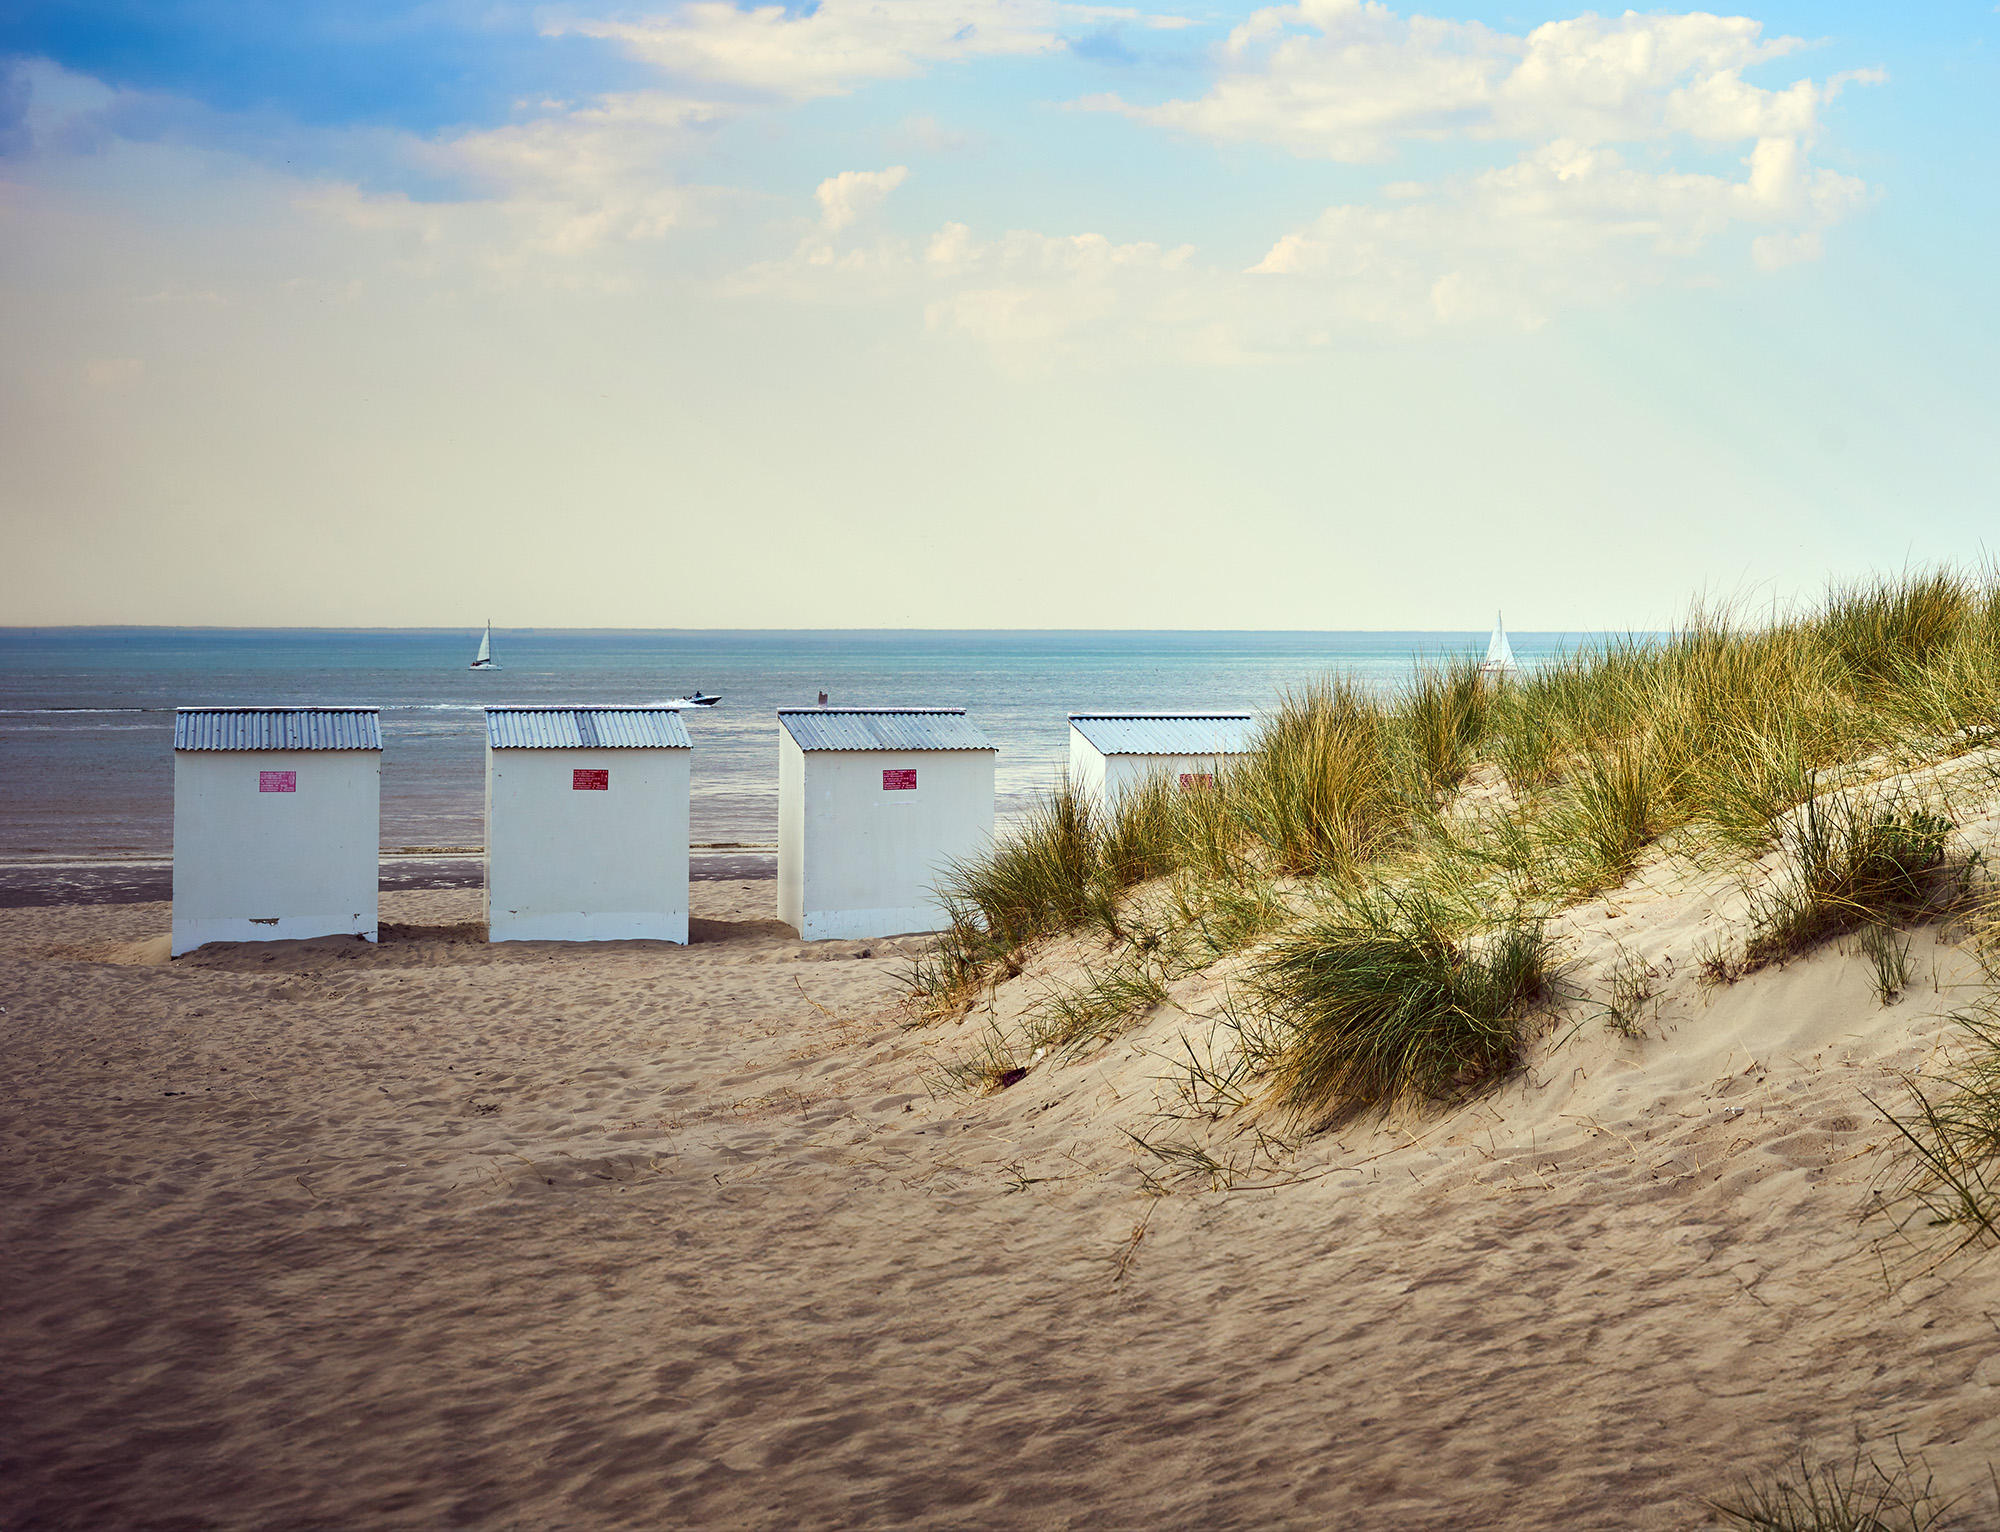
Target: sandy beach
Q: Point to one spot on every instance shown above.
(1408, 595)
(438, 1233)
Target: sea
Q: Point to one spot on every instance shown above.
(86, 714)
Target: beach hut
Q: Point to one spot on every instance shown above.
(873, 805)
(586, 824)
(1110, 752)
(277, 812)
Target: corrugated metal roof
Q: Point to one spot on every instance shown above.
(882, 728)
(1167, 733)
(586, 728)
(277, 728)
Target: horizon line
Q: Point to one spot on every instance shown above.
(218, 627)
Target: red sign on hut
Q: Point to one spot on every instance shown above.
(277, 781)
(590, 779)
(899, 779)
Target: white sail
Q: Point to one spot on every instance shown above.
(484, 659)
(1499, 653)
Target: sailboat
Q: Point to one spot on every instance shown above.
(484, 659)
(1499, 653)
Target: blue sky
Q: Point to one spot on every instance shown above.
(986, 312)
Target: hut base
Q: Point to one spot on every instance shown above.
(190, 934)
(640, 926)
(853, 925)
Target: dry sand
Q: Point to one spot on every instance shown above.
(442, 1234)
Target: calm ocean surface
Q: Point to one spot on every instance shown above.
(86, 715)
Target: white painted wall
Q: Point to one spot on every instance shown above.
(1086, 767)
(1105, 777)
(564, 865)
(792, 831)
(855, 860)
(254, 866)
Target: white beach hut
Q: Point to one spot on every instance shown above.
(1110, 752)
(277, 812)
(873, 804)
(586, 824)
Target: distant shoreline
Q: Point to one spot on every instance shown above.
(33, 884)
(25, 859)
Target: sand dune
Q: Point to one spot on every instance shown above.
(444, 1234)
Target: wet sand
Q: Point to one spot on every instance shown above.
(32, 885)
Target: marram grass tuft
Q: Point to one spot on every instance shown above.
(1375, 1002)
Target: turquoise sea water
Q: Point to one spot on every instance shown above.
(86, 714)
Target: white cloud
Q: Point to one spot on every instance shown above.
(1026, 296)
(555, 198)
(566, 180)
(1574, 217)
(1349, 79)
(1027, 292)
(1566, 225)
(1586, 118)
(575, 178)
(848, 196)
(841, 44)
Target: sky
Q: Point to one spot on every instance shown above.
(987, 313)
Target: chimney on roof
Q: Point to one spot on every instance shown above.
(822, 699)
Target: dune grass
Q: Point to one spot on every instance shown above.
(1718, 739)
(1380, 1003)
(1633, 1000)
(1618, 802)
(1040, 880)
(1948, 1176)
(1072, 1017)
(1442, 719)
(1864, 1495)
(991, 1064)
(1141, 836)
(943, 976)
(1850, 863)
(1318, 797)
(1888, 955)
(1217, 918)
